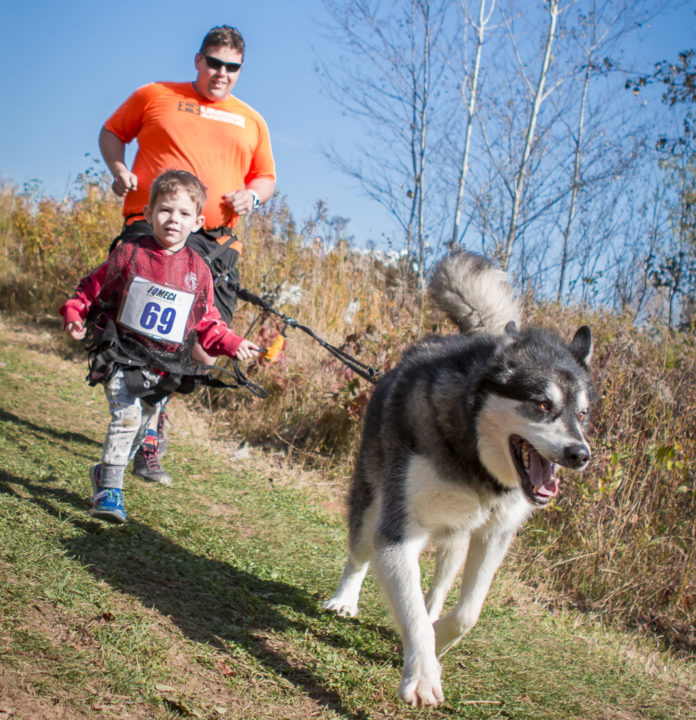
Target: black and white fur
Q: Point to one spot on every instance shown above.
(460, 444)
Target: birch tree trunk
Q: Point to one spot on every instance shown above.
(484, 17)
(575, 184)
(538, 99)
(419, 133)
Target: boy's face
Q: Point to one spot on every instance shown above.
(173, 219)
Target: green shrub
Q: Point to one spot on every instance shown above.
(620, 541)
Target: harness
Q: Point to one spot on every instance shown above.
(152, 374)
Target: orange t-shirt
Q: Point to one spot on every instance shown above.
(225, 144)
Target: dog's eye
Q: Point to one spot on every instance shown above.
(582, 415)
(544, 406)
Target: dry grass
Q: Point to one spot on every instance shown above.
(622, 540)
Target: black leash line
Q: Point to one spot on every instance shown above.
(365, 371)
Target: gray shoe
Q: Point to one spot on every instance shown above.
(146, 465)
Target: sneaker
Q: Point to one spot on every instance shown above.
(146, 462)
(107, 503)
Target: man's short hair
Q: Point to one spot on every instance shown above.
(171, 182)
(223, 35)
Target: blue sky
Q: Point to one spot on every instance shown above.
(67, 66)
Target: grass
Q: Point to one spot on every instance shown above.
(620, 541)
(206, 603)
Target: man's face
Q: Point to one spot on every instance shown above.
(216, 82)
(173, 219)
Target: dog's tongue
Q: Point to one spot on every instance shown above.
(541, 475)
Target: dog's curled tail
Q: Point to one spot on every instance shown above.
(473, 293)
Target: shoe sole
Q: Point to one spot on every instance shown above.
(109, 515)
(166, 482)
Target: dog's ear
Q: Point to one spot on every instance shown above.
(581, 346)
(511, 329)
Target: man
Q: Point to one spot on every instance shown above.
(199, 127)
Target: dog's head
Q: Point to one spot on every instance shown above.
(534, 408)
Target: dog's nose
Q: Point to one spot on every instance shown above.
(576, 456)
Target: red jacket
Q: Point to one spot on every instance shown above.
(163, 300)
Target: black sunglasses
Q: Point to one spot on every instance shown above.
(214, 64)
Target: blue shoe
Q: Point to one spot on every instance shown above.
(107, 503)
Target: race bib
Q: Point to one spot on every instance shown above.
(155, 310)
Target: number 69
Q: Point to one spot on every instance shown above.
(151, 317)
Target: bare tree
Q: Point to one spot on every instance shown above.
(538, 96)
(500, 125)
(469, 93)
(390, 91)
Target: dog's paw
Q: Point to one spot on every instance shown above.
(341, 607)
(450, 629)
(424, 687)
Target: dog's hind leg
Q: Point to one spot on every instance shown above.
(486, 552)
(345, 599)
(449, 559)
(398, 570)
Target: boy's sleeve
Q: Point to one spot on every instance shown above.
(214, 335)
(77, 307)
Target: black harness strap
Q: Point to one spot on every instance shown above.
(104, 358)
(107, 351)
(219, 249)
(365, 371)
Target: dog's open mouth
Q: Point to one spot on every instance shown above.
(536, 472)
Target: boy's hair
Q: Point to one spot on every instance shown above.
(172, 182)
(223, 35)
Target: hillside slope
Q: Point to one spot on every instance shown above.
(206, 603)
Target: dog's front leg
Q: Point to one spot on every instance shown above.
(398, 570)
(449, 560)
(486, 552)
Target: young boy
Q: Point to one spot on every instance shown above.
(148, 304)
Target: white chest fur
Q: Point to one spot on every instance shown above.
(439, 506)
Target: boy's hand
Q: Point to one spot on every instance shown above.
(246, 350)
(76, 330)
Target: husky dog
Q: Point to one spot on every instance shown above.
(460, 443)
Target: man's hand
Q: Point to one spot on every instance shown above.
(246, 350)
(124, 182)
(113, 150)
(76, 330)
(241, 201)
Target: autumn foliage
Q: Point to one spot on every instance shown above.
(620, 541)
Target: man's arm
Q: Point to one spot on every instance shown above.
(242, 201)
(113, 150)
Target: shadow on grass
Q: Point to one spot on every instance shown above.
(50, 434)
(212, 602)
